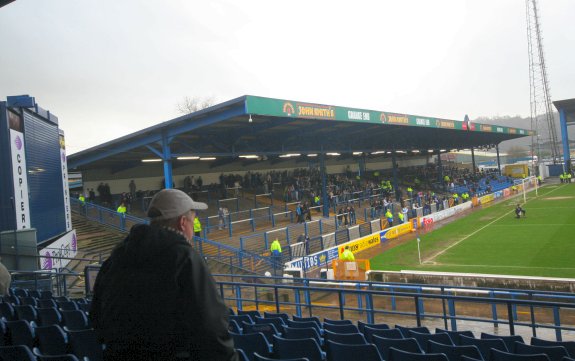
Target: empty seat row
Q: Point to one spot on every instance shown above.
(51, 340)
(72, 319)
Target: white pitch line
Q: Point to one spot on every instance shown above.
(533, 225)
(504, 266)
(480, 229)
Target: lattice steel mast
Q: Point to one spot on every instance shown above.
(540, 97)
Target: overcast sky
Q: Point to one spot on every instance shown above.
(108, 68)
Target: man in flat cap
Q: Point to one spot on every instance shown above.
(154, 298)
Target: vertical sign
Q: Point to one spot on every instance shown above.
(20, 175)
(65, 184)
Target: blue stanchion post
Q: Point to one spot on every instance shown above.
(297, 301)
(557, 323)
(359, 299)
(421, 308)
(494, 310)
(369, 307)
(451, 307)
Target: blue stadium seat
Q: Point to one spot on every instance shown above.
(555, 353)
(49, 316)
(20, 332)
(404, 344)
(242, 355)
(19, 292)
(369, 332)
(251, 313)
(241, 318)
(307, 319)
(250, 343)
(405, 330)
(498, 355)
(337, 322)
(267, 329)
(45, 295)
(67, 305)
(276, 321)
(345, 338)
(258, 357)
(293, 349)
(454, 353)
(52, 340)
(231, 311)
(16, 353)
(349, 328)
(85, 306)
(66, 357)
(569, 345)
(7, 311)
(400, 355)
(455, 335)
(340, 352)
(26, 312)
(3, 332)
(361, 325)
(422, 338)
(283, 316)
(28, 301)
(34, 293)
(234, 327)
(84, 343)
(467, 358)
(293, 333)
(509, 340)
(46, 303)
(305, 324)
(484, 345)
(74, 320)
(14, 300)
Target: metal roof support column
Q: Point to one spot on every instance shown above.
(498, 160)
(439, 168)
(565, 140)
(323, 175)
(395, 182)
(167, 158)
(361, 165)
(473, 159)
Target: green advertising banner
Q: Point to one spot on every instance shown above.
(288, 108)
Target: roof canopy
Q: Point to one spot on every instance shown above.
(568, 105)
(252, 125)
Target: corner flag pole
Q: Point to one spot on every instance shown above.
(418, 250)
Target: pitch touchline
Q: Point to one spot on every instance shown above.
(503, 266)
(480, 229)
(533, 225)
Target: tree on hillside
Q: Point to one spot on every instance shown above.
(193, 104)
(517, 152)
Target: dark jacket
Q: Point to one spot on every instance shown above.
(154, 298)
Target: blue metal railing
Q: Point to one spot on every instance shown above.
(241, 258)
(300, 296)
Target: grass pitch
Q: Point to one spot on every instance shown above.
(491, 240)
